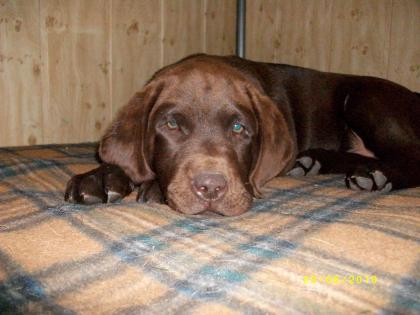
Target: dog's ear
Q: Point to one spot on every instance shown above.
(275, 148)
(125, 142)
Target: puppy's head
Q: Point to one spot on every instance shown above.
(206, 133)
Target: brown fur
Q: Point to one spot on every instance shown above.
(333, 119)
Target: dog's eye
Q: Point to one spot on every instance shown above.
(237, 128)
(172, 124)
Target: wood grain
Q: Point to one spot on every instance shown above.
(136, 46)
(76, 76)
(263, 36)
(305, 38)
(66, 66)
(360, 36)
(184, 27)
(404, 46)
(220, 28)
(20, 79)
(290, 31)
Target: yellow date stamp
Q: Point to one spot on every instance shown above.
(341, 279)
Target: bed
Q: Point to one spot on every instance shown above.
(310, 247)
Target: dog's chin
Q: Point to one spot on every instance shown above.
(202, 207)
(232, 213)
(193, 208)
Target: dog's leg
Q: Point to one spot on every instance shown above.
(149, 192)
(394, 171)
(385, 118)
(321, 161)
(107, 183)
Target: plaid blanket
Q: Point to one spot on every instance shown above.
(311, 247)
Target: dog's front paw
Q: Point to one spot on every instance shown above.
(149, 192)
(368, 180)
(104, 184)
(304, 166)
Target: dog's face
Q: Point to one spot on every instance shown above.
(205, 133)
(204, 142)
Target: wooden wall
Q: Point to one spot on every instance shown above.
(369, 37)
(66, 66)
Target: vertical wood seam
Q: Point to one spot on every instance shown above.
(388, 70)
(111, 61)
(330, 52)
(330, 17)
(204, 41)
(278, 27)
(45, 74)
(41, 88)
(162, 33)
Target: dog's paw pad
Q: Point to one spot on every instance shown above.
(305, 165)
(371, 181)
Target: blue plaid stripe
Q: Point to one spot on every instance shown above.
(236, 254)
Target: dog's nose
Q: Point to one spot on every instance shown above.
(209, 186)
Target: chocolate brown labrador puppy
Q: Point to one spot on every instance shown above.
(208, 132)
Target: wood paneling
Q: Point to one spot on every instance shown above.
(289, 31)
(304, 33)
(404, 47)
(136, 46)
(184, 27)
(366, 37)
(76, 72)
(360, 36)
(263, 33)
(220, 27)
(66, 66)
(20, 79)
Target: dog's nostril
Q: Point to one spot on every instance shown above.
(209, 186)
(202, 188)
